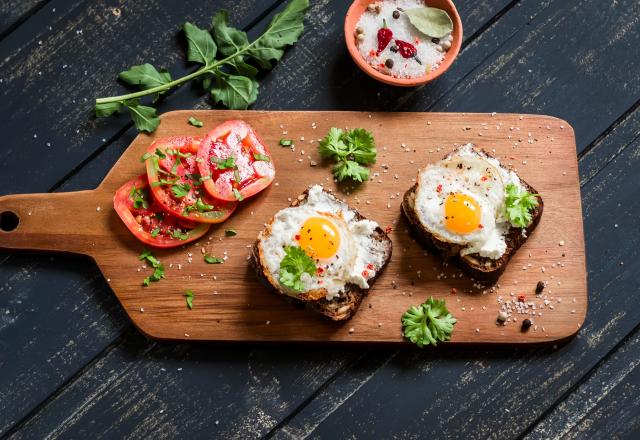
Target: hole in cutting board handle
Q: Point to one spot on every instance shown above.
(9, 221)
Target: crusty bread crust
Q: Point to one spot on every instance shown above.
(482, 269)
(337, 309)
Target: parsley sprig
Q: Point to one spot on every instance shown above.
(224, 54)
(350, 149)
(293, 265)
(519, 205)
(428, 323)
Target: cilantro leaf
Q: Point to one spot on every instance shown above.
(201, 47)
(519, 205)
(261, 157)
(179, 234)
(139, 197)
(230, 232)
(213, 260)
(180, 190)
(428, 323)
(199, 206)
(158, 269)
(295, 263)
(189, 297)
(195, 122)
(350, 169)
(223, 164)
(350, 150)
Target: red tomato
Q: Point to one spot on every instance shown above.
(148, 221)
(238, 162)
(176, 184)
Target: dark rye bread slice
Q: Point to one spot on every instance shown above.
(337, 309)
(484, 270)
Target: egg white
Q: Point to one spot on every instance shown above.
(358, 251)
(470, 172)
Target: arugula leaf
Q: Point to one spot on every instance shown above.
(230, 40)
(195, 122)
(143, 116)
(284, 29)
(230, 232)
(189, 296)
(146, 76)
(229, 78)
(234, 91)
(180, 190)
(428, 323)
(295, 263)
(213, 260)
(261, 157)
(107, 109)
(519, 205)
(350, 150)
(201, 47)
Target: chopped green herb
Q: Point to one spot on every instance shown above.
(139, 197)
(180, 190)
(199, 206)
(519, 205)
(428, 323)
(195, 122)
(286, 142)
(213, 260)
(350, 149)
(236, 175)
(158, 269)
(224, 164)
(160, 154)
(262, 157)
(295, 263)
(145, 156)
(189, 296)
(230, 232)
(239, 197)
(155, 232)
(179, 234)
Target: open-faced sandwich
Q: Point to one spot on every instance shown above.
(322, 253)
(470, 208)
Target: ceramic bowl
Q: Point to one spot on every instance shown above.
(351, 20)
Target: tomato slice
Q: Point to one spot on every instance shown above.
(239, 164)
(148, 222)
(177, 185)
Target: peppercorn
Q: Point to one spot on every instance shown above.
(539, 287)
(396, 14)
(435, 40)
(394, 49)
(389, 63)
(526, 324)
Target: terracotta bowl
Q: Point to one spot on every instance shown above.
(351, 20)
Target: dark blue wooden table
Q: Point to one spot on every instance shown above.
(72, 365)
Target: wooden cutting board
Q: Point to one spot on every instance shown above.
(231, 304)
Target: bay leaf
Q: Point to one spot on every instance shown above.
(433, 22)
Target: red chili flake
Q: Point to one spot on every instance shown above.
(320, 281)
(365, 273)
(521, 298)
(372, 53)
(453, 291)
(484, 178)
(297, 237)
(381, 65)
(319, 270)
(370, 266)
(480, 226)
(388, 229)
(407, 50)
(439, 188)
(384, 37)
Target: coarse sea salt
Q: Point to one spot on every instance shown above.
(427, 51)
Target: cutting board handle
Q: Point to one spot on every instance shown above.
(50, 222)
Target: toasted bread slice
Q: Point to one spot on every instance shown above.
(484, 270)
(340, 308)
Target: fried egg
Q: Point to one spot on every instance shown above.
(461, 200)
(327, 230)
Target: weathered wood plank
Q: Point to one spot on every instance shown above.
(605, 406)
(497, 394)
(14, 12)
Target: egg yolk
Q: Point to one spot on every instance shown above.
(319, 237)
(462, 213)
